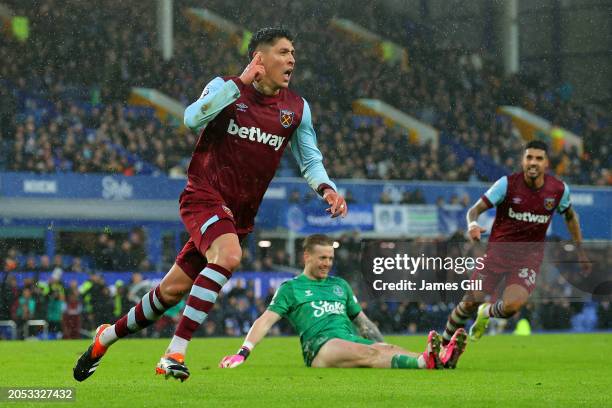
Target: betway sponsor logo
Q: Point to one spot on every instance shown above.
(528, 217)
(322, 307)
(255, 135)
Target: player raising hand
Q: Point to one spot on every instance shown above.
(245, 123)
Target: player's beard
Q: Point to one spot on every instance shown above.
(533, 173)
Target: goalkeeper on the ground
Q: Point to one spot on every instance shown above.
(324, 313)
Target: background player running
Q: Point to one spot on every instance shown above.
(320, 308)
(245, 124)
(526, 202)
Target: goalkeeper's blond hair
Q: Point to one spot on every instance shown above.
(316, 239)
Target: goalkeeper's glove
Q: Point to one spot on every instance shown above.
(235, 360)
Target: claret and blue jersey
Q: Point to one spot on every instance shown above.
(243, 135)
(524, 214)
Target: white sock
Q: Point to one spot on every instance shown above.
(421, 361)
(108, 336)
(487, 309)
(177, 345)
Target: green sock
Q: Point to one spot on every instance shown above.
(403, 361)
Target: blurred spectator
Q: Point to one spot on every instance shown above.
(44, 264)
(26, 307)
(77, 265)
(385, 198)
(71, 319)
(9, 294)
(58, 262)
(30, 264)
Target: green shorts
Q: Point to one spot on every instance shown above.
(312, 345)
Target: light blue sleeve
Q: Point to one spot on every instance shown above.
(566, 201)
(497, 192)
(308, 156)
(216, 96)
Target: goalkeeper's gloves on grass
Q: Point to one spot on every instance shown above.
(235, 360)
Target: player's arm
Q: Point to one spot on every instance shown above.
(573, 225)
(218, 94)
(474, 229)
(258, 331)
(367, 328)
(572, 221)
(491, 198)
(310, 160)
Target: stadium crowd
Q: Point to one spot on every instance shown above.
(454, 89)
(63, 109)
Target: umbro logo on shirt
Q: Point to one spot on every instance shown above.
(242, 107)
(308, 292)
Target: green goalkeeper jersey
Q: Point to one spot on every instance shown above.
(317, 306)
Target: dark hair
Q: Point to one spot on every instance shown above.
(267, 35)
(316, 239)
(537, 144)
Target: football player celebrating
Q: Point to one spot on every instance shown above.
(525, 202)
(245, 124)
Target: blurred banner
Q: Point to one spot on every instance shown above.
(447, 203)
(312, 219)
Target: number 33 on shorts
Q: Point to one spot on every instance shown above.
(528, 274)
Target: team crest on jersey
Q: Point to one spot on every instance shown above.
(338, 291)
(227, 211)
(549, 203)
(286, 117)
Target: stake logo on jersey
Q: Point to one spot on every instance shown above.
(323, 307)
(286, 117)
(255, 134)
(527, 216)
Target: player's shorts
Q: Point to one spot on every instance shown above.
(495, 279)
(311, 346)
(205, 221)
(510, 263)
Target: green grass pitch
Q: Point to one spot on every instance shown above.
(541, 370)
